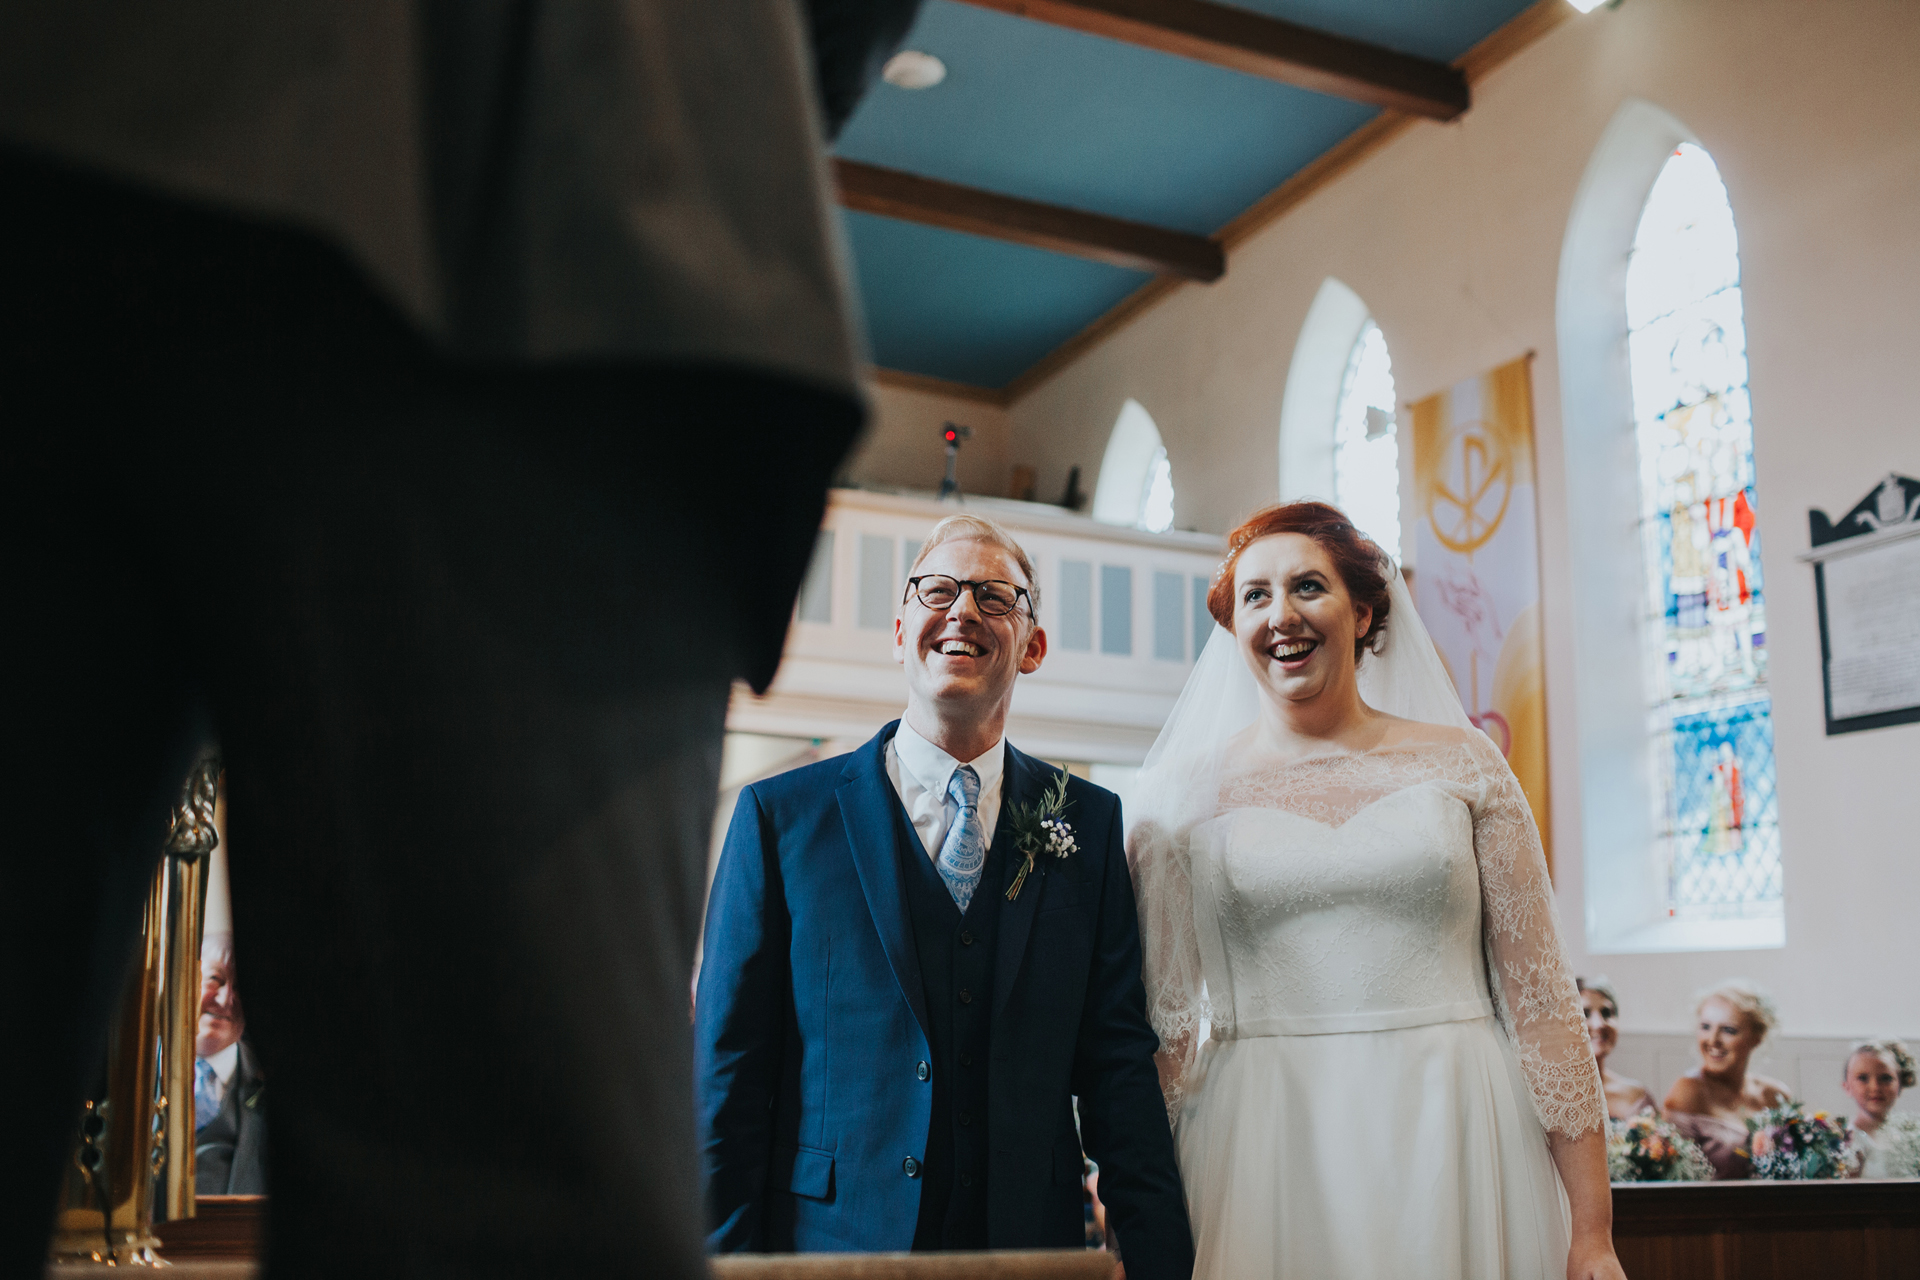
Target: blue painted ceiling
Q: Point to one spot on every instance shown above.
(1048, 114)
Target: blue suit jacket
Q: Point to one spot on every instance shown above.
(811, 1021)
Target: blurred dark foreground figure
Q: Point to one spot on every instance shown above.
(438, 398)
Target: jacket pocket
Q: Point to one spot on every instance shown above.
(805, 1171)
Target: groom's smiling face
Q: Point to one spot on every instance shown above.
(959, 660)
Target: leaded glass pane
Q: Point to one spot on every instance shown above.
(1726, 829)
(1366, 455)
(1706, 602)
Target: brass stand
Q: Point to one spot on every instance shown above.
(134, 1150)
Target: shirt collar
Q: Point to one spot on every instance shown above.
(933, 768)
(224, 1061)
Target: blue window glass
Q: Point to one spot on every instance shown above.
(1116, 609)
(1076, 605)
(1169, 617)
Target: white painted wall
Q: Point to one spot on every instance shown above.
(1453, 236)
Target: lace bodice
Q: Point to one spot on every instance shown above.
(1393, 888)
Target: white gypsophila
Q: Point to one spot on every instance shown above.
(1060, 841)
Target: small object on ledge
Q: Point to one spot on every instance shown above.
(1021, 488)
(1074, 498)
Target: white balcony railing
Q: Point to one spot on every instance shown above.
(1124, 611)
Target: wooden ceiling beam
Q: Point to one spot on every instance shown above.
(1258, 45)
(912, 198)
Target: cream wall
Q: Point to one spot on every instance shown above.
(902, 448)
(1452, 235)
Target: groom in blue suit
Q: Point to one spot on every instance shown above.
(892, 1022)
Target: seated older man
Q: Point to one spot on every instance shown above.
(229, 1091)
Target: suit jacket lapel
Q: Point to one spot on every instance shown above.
(1025, 781)
(875, 825)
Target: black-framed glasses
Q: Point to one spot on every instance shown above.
(993, 597)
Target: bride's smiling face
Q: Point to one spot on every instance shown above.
(1293, 618)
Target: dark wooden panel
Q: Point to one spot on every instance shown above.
(912, 198)
(222, 1227)
(1768, 1230)
(1243, 40)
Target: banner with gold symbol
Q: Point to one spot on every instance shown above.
(1477, 552)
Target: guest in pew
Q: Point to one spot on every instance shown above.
(229, 1089)
(1625, 1098)
(1711, 1103)
(1885, 1146)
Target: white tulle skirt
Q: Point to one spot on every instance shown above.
(1406, 1153)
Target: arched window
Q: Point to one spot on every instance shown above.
(1705, 638)
(1366, 454)
(1136, 483)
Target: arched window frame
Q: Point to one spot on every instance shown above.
(1316, 401)
(1135, 487)
(1626, 886)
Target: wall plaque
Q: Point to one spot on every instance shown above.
(1866, 573)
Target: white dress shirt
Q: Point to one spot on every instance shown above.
(920, 772)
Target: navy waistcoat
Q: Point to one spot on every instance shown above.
(956, 967)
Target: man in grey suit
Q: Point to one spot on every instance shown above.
(229, 1094)
(435, 399)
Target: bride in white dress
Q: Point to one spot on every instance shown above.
(1372, 1047)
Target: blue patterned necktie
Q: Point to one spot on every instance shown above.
(206, 1103)
(963, 855)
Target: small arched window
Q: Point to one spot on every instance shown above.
(1136, 482)
(1366, 452)
(1705, 638)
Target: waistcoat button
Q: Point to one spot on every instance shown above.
(923, 1071)
(966, 1118)
(966, 1059)
(966, 1179)
(966, 937)
(911, 1166)
(966, 996)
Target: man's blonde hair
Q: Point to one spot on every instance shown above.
(971, 528)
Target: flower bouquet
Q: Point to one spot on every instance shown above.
(1648, 1149)
(1787, 1143)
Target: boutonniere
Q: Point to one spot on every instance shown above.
(1039, 830)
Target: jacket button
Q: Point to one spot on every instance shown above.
(923, 1071)
(911, 1166)
(966, 996)
(966, 937)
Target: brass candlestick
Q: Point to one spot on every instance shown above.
(133, 1157)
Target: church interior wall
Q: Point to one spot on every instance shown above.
(1453, 236)
(902, 448)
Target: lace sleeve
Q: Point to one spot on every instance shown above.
(1532, 983)
(1160, 861)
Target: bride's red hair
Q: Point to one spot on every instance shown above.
(1362, 566)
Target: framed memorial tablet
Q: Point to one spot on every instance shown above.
(1866, 573)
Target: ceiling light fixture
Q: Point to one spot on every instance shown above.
(1586, 6)
(911, 69)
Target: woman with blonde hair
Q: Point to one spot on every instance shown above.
(1711, 1103)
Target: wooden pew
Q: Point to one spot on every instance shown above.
(1768, 1230)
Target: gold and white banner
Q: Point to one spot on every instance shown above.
(1477, 552)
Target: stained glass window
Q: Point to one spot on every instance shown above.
(1706, 633)
(1366, 456)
